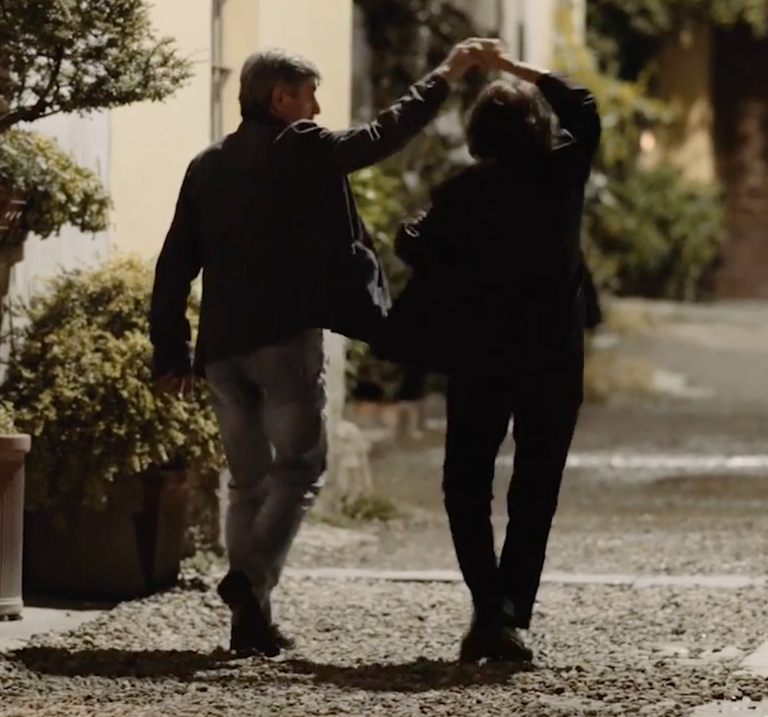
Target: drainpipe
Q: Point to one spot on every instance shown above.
(219, 72)
(510, 26)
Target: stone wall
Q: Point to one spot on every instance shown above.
(740, 90)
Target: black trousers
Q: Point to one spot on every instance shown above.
(544, 401)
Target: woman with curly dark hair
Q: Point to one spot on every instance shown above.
(496, 302)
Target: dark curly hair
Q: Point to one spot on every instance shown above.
(509, 117)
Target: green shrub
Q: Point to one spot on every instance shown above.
(7, 420)
(58, 191)
(369, 507)
(79, 378)
(380, 200)
(647, 233)
(660, 232)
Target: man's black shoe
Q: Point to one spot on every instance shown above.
(245, 641)
(251, 632)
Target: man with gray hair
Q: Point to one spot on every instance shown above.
(267, 214)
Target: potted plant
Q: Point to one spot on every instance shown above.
(13, 449)
(108, 478)
(42, 188)
(53, 189)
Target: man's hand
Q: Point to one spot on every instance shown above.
(476, 51)
(181, 385)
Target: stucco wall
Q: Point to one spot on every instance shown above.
(152, 143)
(321, 31)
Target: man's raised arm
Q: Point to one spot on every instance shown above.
(346, 151)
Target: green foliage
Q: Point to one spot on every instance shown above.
(7, 419)
(73, 56)
(380, 200)
(625, 107)
(58, 191)
(407, 38)
(659, 233)
(647, 233)
(369, 507)
(80, 380)
(628, 33)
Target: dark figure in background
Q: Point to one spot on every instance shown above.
(496, 302)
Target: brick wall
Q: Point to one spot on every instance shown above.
(740, 96)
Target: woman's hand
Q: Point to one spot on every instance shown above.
(523, 70)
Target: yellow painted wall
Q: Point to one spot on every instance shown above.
(321, 31)
(683, 79)
(152, 143)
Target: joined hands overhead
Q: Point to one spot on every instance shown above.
(488, 54)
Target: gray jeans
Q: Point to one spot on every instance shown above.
(270, 408)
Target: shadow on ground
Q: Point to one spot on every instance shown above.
(71, 604)
(421, 675)
(115, 663)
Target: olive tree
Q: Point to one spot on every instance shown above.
(82, 55)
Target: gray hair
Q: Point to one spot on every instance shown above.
(263, 71)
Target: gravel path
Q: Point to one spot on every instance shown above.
(622, 545)
(388, 648)
(705, 525)
(379, 648)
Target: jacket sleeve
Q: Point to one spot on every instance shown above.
(346, 151)
(178, 265)
(577, 110)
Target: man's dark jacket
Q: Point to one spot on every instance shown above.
(498, 272)
(267, 214)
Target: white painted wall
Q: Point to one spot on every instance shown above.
(153, 142)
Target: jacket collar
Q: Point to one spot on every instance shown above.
(262, 117)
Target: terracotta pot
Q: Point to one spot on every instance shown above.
(130, 549)
(13, 451)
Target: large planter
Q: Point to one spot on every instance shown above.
(13, 451)
(130, 549)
